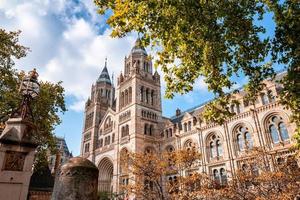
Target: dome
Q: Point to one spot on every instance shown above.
(138, 48)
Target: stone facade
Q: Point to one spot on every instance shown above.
(129, 118)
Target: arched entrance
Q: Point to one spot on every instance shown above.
(105, 175)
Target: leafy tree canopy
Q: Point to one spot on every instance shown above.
(217, 40)
(45, 108)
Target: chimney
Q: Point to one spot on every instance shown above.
(178, 112)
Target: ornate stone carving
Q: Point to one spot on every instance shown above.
(14, 161)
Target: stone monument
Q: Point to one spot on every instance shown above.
(77, 180)
(17, 147)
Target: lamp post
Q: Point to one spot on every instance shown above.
(17, 146)
(29, 89)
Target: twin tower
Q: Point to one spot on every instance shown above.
(124, 118)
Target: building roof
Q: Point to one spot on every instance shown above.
(104, 76)
(176, 119)
(138, 48)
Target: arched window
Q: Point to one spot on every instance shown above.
(151, 130)
(240, 142)
(101, 143)
(274, 133)
(212, 150)
(122, 99)
(146, 129)
(278, 130)
(167, 133)
(126, 97)
(185, 127)
(220, 176)
(219, 148)
(142, 94)
(264, 98)
(113, 138)
(170, 130)
(223, 176)
(127, 129)
(152, 97)
(130, 95)
(215, 146)
(123, 131)
(283, 131)
(243, 138)
(189, 126)
(147, 95)
(216, 176)
(194, 121)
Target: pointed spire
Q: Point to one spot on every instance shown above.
(104, 76)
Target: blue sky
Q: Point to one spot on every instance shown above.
(69, 42)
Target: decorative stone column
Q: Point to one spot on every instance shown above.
(16, 158)
(77, 180)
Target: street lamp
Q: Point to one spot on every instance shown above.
(29, 89)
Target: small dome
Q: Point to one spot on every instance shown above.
(138, 48)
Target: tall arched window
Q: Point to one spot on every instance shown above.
(142, 94)
(152, 97)
(151, 130)
(278, 130)
(243, 138)
(167, 133)
(185, 127)
(123, 131)
(216, 176)
(212, 150)
(122, 99)
(219, 148)
(147, 95)
(215, 146)
(127, 129)
(264, 98)
(130, 95)
(189, 126)
(170, 130)
(146, 129)
(223, 176)
(126, 97)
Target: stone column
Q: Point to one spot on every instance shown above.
(17, 151)
(77, 180)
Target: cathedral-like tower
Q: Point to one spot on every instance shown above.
(102, 98)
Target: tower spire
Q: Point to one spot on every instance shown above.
(105, 64)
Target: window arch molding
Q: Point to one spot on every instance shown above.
(242, 136)
(190, 143)
(215, 145)
(279, 126)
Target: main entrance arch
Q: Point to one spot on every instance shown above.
(105, 175)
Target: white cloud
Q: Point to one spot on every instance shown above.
(64, 47)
